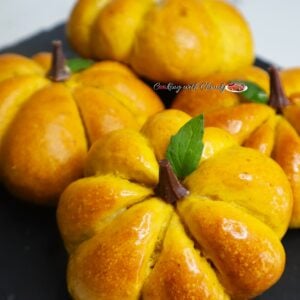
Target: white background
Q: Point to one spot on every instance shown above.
(275, 24)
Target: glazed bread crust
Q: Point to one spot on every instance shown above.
(46, 128)
(169, 41)
(255, 125)
(222, 241)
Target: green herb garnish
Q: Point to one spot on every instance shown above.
(185, 148)
(79, 64)
(254, 93)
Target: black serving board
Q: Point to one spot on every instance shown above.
(32, 258)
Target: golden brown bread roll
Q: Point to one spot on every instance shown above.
(221, 241)
(171, 40)
(46, 128)
(272, 127)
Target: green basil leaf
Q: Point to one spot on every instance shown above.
(254, 93)
(185, 149)
(79, 64)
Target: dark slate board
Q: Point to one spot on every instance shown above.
(32, 258)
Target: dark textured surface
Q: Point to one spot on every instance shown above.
(32, 257)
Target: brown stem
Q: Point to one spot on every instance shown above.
(59, 71)
(278, 99)
(169, 188)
